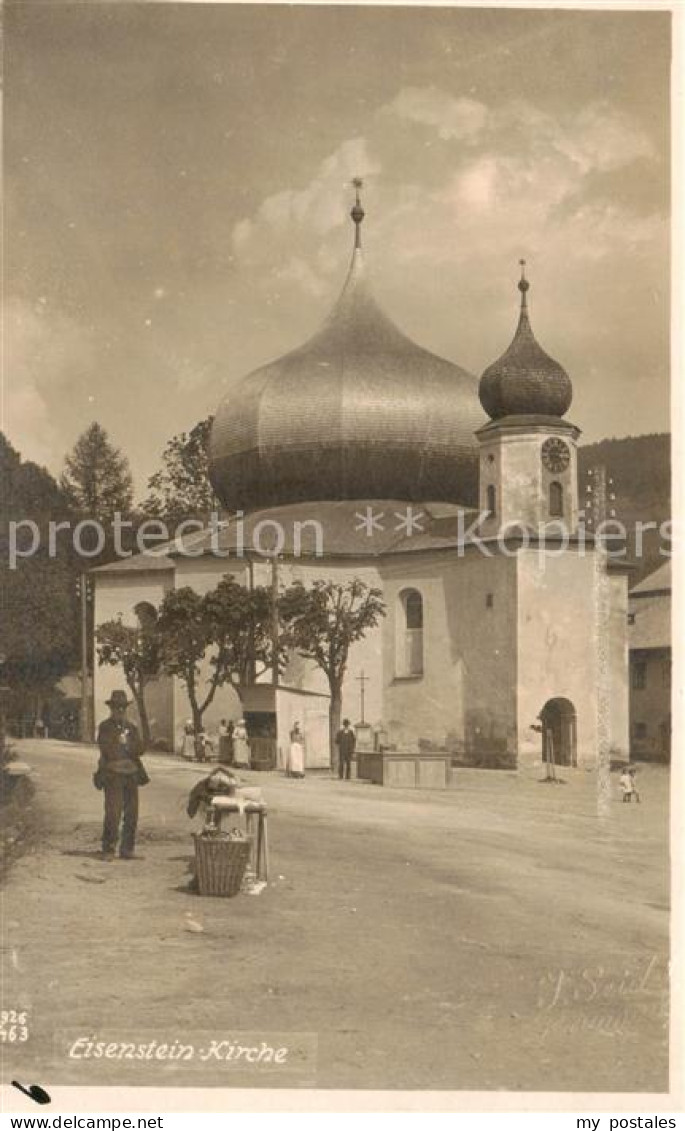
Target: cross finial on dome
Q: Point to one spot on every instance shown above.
(357, 212)
(523, 286)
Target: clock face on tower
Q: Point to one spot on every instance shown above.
(555, 454)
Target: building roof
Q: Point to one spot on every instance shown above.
(347, 529)
(140, 563)
(308, 530)
(525, 380)
(650, 610)
(359, 411)
(659, 581)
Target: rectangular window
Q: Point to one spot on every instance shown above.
(413, 655)
(556, 500)
(639, 730)
(639, 675)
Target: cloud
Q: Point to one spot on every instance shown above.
(600, 139)
(453, 118)
(527, 180)
(299, 271)
(531, 183)
(312, 210)
(49, 366)
(448, 220)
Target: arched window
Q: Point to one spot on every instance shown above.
(410, 657)
(491, 496)
(556, 500)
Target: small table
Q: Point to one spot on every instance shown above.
(223, 805)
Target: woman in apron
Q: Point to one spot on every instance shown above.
(296, 753)
(188, 744)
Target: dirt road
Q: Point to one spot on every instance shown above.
(497, 936)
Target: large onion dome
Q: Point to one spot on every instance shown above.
(525, 380)
(357, 412)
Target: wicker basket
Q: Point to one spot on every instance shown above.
(220, 864)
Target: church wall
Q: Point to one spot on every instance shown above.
(557, 650)
(619, 721)
(366, 655)
(117, 594)
(465, 698)
(203, 574)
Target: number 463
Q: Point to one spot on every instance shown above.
(13, 1026)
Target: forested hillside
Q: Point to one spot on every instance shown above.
(640, 467)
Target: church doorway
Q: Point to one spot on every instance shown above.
(559, 739)
(665, 740)
(261, 739)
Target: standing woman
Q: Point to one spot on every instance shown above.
(188, 745)
(296, 754)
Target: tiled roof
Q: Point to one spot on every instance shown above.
(659, 581)
(337, 529)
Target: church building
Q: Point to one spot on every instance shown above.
(361, 454)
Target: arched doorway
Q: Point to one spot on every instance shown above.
(558, 718)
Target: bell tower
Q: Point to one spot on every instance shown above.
(528, 452)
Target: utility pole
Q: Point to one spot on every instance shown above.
(275, 626)
(252, 662)
(4, 695)
(82, 585)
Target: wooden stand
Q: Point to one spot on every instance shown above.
(406, 770)
(223, 806)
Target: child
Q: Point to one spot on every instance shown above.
(627, 783)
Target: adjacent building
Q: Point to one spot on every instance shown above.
(649, 635)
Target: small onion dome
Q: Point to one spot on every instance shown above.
(525, 380)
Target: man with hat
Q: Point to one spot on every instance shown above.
(119, 773)
(346, 741)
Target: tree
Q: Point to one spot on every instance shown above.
(185, 635)
(243, 619)
(136, 652)
(323, 622)
(39, 611)
(97, 478)
(181, 489)
(231, 626)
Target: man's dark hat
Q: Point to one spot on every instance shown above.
(118, 699)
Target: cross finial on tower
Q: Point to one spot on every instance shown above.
(357, 212)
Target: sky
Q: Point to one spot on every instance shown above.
(177, 190)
